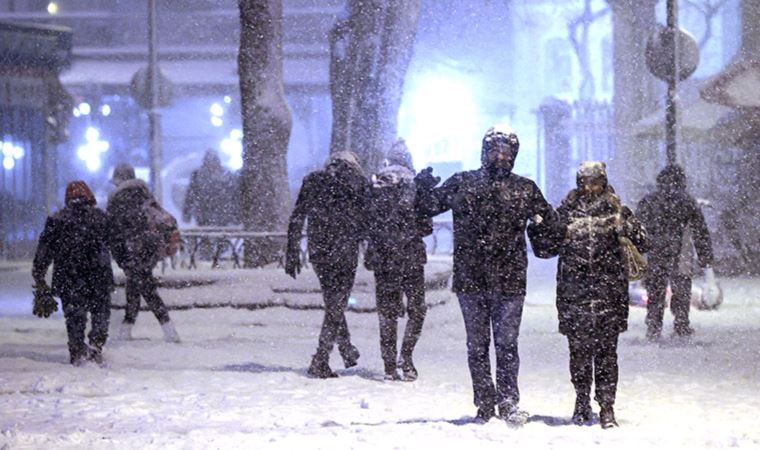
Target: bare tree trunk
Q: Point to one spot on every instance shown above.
(370, 53)
(266, 125)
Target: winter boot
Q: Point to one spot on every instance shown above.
(319, 368)
(653, 335)
(391, 372)
(514, 416)
(683, 330)
(485, 413)
(583, 412)
(408, 369)
(170, 333)
(607, 417)
(95, 355)
(125, 331)
(350, 357)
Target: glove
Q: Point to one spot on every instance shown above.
(425, 180)
(293, 262)
(44, 304)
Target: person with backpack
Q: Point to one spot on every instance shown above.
(592, 286)
(137, 244)
(332, 202)
(491, 207)
(75, 241)
(396, 253)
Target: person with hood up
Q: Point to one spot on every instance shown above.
(136, 250)
(491, 207)
(396, 253)
(592, 286)
(208, 194)
(667, 213)
(75, 241)
(332, 202)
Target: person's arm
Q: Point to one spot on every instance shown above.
(701, 236)
(43, 256)
(432, 201)
(632, 228)
(295, 226)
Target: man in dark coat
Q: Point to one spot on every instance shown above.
(396, 253)
(491, 207)
(136, 250)
(666, 213)
(333, 200)
(75, 241)
(592, 286)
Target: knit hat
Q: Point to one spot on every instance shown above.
(499, 133)
(591, 170)
(399, 155)
(79, 191)
(122, 172)
(348, 157)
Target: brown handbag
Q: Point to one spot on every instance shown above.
(635, 264)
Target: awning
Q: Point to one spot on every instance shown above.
(738, 85)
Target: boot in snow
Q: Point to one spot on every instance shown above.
(583, 412)
(514, 416)
(607, 417)
(485, 413)
(350, 357)
(125, 332)
(170, 333)
(320, 369)
(96, 355)
(408, 369)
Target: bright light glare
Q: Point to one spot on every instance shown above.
(233, 149)
(8, 163)
(18, 152)
(438, 119)
(92, 134)
(105, 110)
(216, 110)
(84, 108)
(76, 112)
(52, 8)
(236, 133)
(227, 99)
(216, 121)
(91, 151)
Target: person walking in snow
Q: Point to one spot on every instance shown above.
(136, 250)
(667, 213)
(208, 194)
(332, 202)
(491, 207)
(75, 241)
(592, 286)
(396, 253)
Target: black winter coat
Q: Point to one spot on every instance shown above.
(394, 224)
(490, 216)
(666, 213)
(333, 204)
(592, 280)
(133, 246)
(75, 241)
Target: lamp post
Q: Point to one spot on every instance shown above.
(671, 43)
(154, 115)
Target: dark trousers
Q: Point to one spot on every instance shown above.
(482, 312)
(142, 283)
(75, 309)
(656, 284)
(390, 287)
(336, 283)
(594, 359)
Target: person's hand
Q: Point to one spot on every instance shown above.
(712, 293)
(537, 219)
(44, 304)
(426, 180)
(293, 263)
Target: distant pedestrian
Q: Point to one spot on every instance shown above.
(667, 213)
(75, 241)
(211, 195)
(396, 253)
(332, 202)
(136, 249)
(491, 208)
(592, 286)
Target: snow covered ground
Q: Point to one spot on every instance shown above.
(238, 378)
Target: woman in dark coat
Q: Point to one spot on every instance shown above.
(592, 286)
(75, 241)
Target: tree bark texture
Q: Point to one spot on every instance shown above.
(267, 122)
(370, 50)
(636, 95)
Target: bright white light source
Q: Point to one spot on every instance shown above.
(236, 133)
(216, 110)
(18, 152)
(84, 108)
(9, 163)
(91, 152)
(52, 8)
(76, 112)
(105, 110)
(227, 99)
(7, 149)
(439, 118)
(216, 121)
(232, 148)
